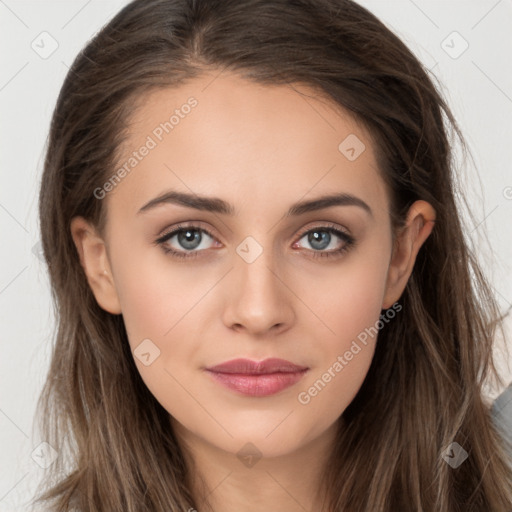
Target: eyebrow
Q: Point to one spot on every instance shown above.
(217, 205)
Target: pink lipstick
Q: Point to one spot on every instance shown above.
(257, 378)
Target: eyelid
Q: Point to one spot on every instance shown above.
(323, 225)
(184, 225)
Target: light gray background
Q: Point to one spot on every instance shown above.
(477, 84)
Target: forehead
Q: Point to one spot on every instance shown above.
(226, 136)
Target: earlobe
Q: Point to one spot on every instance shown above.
(94, 260)
(419, 224)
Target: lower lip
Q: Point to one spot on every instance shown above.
(258, 385)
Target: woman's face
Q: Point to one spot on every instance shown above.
(262, 267)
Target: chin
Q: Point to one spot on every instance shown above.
(265, 439)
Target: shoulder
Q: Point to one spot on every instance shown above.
(501, 412)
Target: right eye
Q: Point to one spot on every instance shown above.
(187, 243)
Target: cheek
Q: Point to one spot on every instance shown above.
(347, 298)
(350, 306)
(166, 303)
(157, 296)
(331, 388)
(160, 306)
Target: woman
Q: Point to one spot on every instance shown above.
(265, 296)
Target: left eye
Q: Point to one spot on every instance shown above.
(322, 239)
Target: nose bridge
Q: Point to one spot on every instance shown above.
(259, 299)
(254, 263)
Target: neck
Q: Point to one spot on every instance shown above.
(227, 482)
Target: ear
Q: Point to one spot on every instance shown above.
(419, 224)
(94, 260)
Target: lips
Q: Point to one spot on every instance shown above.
(246, 366)
(257, 378)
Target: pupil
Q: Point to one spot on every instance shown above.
(314, 239)
(189, 238)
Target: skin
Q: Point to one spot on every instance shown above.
(262, 149)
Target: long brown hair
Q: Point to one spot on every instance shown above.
(424, 389)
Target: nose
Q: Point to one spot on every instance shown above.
(259, 300)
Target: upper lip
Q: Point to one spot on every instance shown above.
(247, 366)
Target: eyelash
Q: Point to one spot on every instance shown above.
(348, 240)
